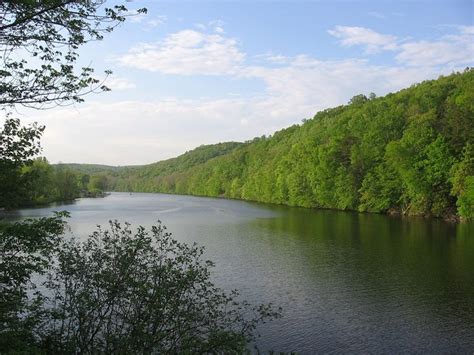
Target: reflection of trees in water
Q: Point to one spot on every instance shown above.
(409, 259)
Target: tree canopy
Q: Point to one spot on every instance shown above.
(120, 291)
(39, 42)
(409, 152)
(18, 146)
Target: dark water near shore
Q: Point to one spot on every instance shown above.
(347, 282)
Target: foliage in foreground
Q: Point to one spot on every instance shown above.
(410, 152)
(26, 248)
(39, 42)
(118, 292)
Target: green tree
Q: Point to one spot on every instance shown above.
(84, 181)
(463, 182)
(98, 182)
(39, 42)
(391, 153)
(26, 249)
(66, 184)
(358, 99)
(380, 190)
(119, 292)
(40, 175)
(18, 146)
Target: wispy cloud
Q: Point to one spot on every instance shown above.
(295, 87)
(200, 26)
(361, 36)
(450, 50)
(157, 21)
(147, 20)
(146, 131)
(118, 83)
(454, 49)
(277, 59)
(216, 26)
(376, 15)
(467, 30)
(187, 52)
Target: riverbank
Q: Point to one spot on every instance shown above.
(374, 277)
(94, 194)
(39, 203)
(449, 218)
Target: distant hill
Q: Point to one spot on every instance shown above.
(90, 168)
(134, 177)
(185, 161)
(411, 152)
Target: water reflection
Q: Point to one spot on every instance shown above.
(379, 283)
(347, 282)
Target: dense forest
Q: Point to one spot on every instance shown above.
(410, 152)
(38, 183)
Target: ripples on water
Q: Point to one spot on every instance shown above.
(347, 282)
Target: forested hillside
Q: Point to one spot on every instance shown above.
(142, 178)
(411, 152)
(91, 168)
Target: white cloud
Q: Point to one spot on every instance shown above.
(216, 26)
(306, 85)
(361, 36)
(137, 17)
(135, 132)
(436, 53)
(468, 30)
(219, 29)
(200, 26)
(138, 132)
(187, 52)
(454, 50)
(449, 50)
(276, 58)
(118, 83)
(147, 20)
(157, 21)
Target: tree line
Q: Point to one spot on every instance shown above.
(410, 152)
(26, 180)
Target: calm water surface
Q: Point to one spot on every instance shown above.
(347, 282)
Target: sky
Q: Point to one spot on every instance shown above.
(201, 72)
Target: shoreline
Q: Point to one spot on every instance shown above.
(453, 219)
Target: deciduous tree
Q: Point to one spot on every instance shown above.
(39, 42)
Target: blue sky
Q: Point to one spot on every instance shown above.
(200, 72)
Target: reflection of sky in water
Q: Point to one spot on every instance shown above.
(347, 282)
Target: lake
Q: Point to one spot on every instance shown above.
(347, 282)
